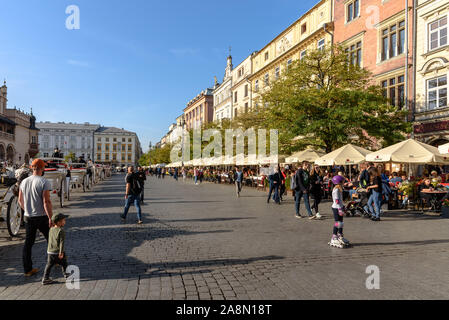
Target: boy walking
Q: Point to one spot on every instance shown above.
(56, 250)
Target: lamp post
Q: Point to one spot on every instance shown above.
(183, 122)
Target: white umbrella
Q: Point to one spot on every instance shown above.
(444, 149)
(305, 155)
(346, 155)
(409, 151)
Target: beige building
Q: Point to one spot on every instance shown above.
(18, 132)
(223, 95)
(241, 86)
(306, 33)
(199, 110)
(432, 70)
(116, 146)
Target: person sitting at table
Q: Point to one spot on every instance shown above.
(396, 179)
(423, 188)
(436, 179)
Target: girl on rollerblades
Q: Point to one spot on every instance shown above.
(338, 210)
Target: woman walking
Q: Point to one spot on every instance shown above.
(316, 189)
(375, 198)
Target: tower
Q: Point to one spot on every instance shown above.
(229, 65)
(3, 97)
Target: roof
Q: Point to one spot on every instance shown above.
(112, 130)
(6, 120)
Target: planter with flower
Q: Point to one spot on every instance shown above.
(445, 208)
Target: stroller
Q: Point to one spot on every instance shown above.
(356, 208)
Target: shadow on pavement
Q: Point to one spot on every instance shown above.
(418, 243)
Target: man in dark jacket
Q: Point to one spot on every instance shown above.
(364, 176)
(275, 181)
(302, 178)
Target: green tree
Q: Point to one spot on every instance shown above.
(326, 102)
(71, 157)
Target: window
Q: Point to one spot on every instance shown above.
(266, 56)
(241, 71)
(235, 112)
(303, 28)
(129, 147)
(99, 147)
(235, 97)
(107, 147)
(437, 93)
(352, 10)
(267, 79)
(124, 147)
(114, 148)
(106, 156)
(289, 62)
(107, 139)
(302, 54)
(355, 54)
(114, 157)
(438, 33)
(393, 41)
(115, 139)
(123, 157)
(277, 73)
(256, 86)
(321, 44)
(129, 140)
(246, 107)
(98, 157)
(393, 89)
(129, 157)
(123, 139)
(246, 90)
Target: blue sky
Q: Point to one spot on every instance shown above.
(132, 64)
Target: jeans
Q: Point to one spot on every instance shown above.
(31, 227)
(274, 187)
(316, 200)
(132, 198)
(351, 192)
(238, 187)
(375, 199)
(176, 177)
(298, 195)
(51, 261)
(196, 179)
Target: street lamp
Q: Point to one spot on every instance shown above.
(183, 122)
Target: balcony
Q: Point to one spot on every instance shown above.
(7, 136)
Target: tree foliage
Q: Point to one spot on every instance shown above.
(325, 102)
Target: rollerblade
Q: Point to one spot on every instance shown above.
(336, 243)
(343, 241)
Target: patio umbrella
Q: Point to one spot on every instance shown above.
(444, 149)
(305, 155)
(346, 155)
(409, 151)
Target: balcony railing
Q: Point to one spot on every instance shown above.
(7, 136)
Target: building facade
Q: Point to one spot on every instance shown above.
(77, 138)
(311, 31)
(223, 95)
(18, 133)
(241, 87)
(431, 113)
(116, 146)
(377, 35)
(199, 110)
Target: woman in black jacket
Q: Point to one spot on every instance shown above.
(316, 189)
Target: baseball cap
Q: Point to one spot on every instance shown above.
(58, 217)
(38, 163)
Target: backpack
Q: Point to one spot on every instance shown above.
(136, 186)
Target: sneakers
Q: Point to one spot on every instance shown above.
(318, 216)
(298, 216)
(31, 273)
(66, 275)
(312, 217)
(47, 281)
(139, 222)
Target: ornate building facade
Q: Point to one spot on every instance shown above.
(311, 31)
(432, 71)
(223, 95)
(18, 133)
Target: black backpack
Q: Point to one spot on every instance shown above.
(136, 186)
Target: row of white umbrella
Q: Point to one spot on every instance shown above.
(409, 152)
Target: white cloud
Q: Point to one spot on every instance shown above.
(78, 63)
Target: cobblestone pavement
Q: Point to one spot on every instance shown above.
(202, 242)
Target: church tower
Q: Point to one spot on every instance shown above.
(3, 97)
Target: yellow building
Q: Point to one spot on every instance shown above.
(432, 71)
(307, 33)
